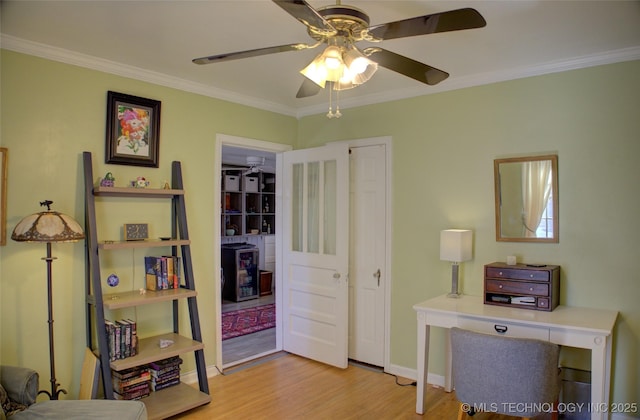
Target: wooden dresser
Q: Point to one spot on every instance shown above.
(524, 286)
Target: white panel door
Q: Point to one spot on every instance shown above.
(367, 254)
(315, 243)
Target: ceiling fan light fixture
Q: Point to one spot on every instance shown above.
(316, 71)
(326, 67)
(356, 61)
(333, 57)
(360, 67)
(346, 67)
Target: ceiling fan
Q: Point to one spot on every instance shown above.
(254, 165)
(341, 27)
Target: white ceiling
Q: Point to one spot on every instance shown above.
(237, 156)
(156, 41)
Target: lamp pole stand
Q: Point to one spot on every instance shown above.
(53, 395)
(454, 281)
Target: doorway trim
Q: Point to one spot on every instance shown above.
(252, 144)
(387, 142)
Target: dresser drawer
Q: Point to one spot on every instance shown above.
(518, 274)
(504, 329)
(518, 287)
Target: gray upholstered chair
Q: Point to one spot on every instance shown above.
(21, 386)
(513, 376)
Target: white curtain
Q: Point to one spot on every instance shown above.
(536, 188)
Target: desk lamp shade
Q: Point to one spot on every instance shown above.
(455, 246)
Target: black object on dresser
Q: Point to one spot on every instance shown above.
(524, 286)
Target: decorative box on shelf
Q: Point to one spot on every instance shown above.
(524, 286)
(251, 184)
(232, 183)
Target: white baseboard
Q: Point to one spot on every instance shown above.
(432, 379)
(192, 376)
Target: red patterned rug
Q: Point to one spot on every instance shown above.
(247, 321)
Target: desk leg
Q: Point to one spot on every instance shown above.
(448, 362)
(423, 363)
(600, 378)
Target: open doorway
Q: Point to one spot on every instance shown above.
(246, 249)
(377, 277)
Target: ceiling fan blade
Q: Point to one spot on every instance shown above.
(453, 20)
(406, 66)
(308, 88)
(250, 53)
(306, 14)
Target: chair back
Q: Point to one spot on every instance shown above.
(515, 376)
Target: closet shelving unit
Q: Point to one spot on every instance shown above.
(176, 399)
(248, 202)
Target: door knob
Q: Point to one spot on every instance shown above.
(377, 275)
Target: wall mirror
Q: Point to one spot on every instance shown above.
(526, 191)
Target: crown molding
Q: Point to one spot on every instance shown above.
(95, 63)
(455, 83)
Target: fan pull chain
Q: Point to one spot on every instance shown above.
(332, 113)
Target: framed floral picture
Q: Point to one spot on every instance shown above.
(133, 130)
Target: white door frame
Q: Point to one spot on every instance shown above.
(277, 148)
(253, 144)
(387, 142)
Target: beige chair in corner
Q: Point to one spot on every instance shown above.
(513, 376)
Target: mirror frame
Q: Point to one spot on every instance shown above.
(554, 192)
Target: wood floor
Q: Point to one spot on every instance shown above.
(284, 386)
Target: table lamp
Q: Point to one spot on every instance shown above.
(48, 226)
(455, 246)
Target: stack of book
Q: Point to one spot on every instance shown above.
(165, 373)
(162, 272)
(131, 384)
(123, 338)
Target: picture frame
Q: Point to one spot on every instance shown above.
(133, 130)
(3, 195)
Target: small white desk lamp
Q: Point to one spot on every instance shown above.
(455, 246)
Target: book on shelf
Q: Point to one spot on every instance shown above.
(132, 383)
(161, 373)
(165, 363)
(157, 386)
(135, 382)
(165, 373)
(135, 392)
(130, 373)
(134, 336)
(113, 346)
(162, 273)
(125, 338)
(122, 338)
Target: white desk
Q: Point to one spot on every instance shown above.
(567, 326)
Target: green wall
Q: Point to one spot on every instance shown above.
(443, 150)
(51, 113)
